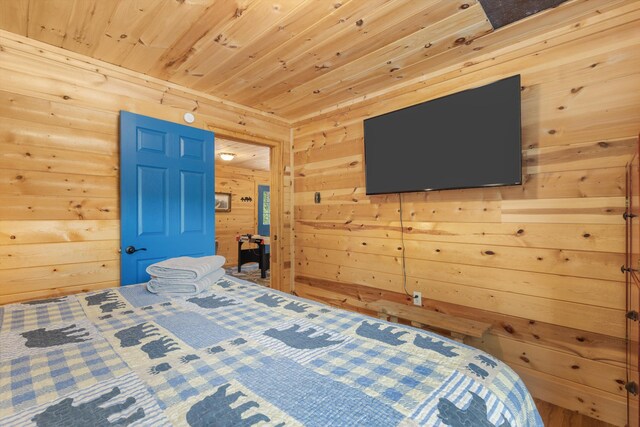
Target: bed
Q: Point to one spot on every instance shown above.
(239, 354)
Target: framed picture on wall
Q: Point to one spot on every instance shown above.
(223, 202)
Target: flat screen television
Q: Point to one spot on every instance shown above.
(468, 139)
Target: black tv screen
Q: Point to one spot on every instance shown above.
(467, 139)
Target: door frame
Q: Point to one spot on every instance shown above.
(276, 170)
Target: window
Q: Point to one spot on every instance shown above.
(266, 211)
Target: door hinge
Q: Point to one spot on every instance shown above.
(632, 315)
(628, 215)
(631, 387)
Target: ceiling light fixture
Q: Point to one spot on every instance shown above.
(227, 157)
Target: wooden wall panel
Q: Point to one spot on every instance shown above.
(243, 217)
(541, 261)
(59, 180)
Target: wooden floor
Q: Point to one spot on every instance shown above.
(555, 416)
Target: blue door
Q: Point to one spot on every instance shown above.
(166, 193)
(264, 211)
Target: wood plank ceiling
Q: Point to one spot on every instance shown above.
(288, 57)
(247, 156)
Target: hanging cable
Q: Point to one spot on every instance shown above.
(404, 269)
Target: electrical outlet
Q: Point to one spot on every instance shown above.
(417, 298)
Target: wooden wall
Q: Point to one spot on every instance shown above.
(540, 262)
(243, 217)
(59, 205)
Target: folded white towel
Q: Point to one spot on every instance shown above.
(165, 286)
(186, 268)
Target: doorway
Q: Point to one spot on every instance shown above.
(243, 225)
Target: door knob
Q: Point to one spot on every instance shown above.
(131, 249)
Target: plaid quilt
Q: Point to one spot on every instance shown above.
(239, 355)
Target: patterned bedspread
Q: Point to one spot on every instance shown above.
(239, 355)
